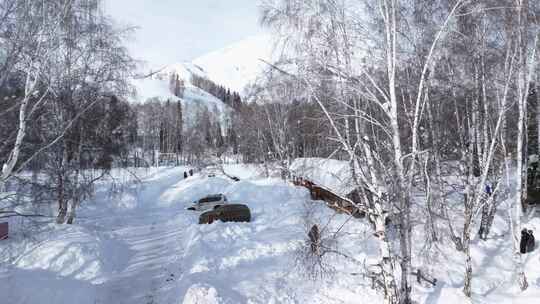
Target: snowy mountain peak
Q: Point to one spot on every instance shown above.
(234, 67)
(237, 65)
(184, 70)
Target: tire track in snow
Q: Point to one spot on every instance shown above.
(153, 236)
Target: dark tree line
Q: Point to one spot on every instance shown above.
(172, 133)
(282, 131)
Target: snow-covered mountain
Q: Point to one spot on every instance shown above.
(233, 67)
(194, 100)
(238, 64)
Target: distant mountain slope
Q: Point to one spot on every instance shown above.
(238, 64)
(233, 67)
(193, 101)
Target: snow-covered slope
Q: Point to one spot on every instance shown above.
(194, 99)
(239, 64)
(234, 67)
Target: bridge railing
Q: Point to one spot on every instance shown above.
(332, 199)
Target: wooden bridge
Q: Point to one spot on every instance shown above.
(333, 200)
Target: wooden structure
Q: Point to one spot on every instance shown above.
(332, 200)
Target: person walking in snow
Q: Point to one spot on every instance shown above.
(527, 243)
(531, 241)
(524, 241)
(488, 189)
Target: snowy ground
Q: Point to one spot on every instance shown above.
(142, 246)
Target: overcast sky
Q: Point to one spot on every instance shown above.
(173, 31)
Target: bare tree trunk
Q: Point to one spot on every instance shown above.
(468, 202)
(387, 265)
(467, 286)
(430, 222)
(537, 81)
(76, 187)
(482, 232)
(388, 9)
(7, 168)
(62, 188)
(490, 218)
(517, 213)
(526, 69)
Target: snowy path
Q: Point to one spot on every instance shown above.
(165, 255)
(133, 258)
(153, 238)
(144, 247)
(152, 262)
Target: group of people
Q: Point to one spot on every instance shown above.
(527, 242)
(186, 173)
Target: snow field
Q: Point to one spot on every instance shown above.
(143, 246)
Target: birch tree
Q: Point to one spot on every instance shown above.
(327, 33)
(33, 32)
(71, 59)
(526, 67)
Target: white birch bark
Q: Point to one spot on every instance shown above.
(526, 69)
(32, 62)
(9, 165)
